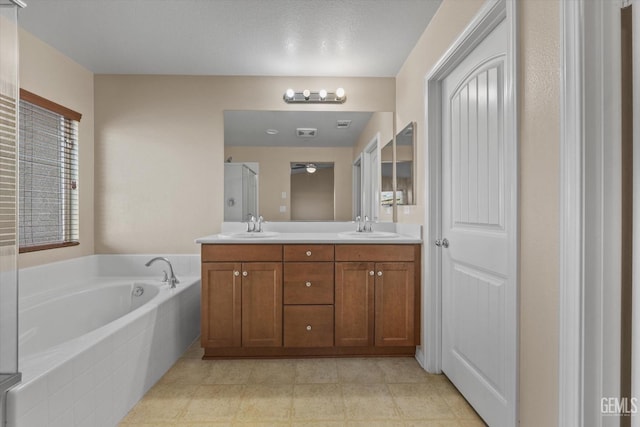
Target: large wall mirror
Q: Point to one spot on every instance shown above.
(405, 165)
(308, 165)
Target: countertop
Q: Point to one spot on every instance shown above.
(315, 232)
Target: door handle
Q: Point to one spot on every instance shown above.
(444, 243)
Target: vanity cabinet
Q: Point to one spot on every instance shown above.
(376, 287)
(308, 295)
(241, 300)
(271, 300)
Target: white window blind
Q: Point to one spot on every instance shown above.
(7, 171)
(48, 175)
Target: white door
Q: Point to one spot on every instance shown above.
(478, 315)
(371, 180)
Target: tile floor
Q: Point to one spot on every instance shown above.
(327, 392)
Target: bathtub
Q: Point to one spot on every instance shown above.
(93, 342)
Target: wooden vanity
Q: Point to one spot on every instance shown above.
(285, 300)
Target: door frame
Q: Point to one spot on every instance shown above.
(590, 195)
(492, 13)
(356, 184)
(369, 206)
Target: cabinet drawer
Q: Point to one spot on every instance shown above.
(214, 253)
(308, 326)
(308, 252)
(308, 283)
(377, 252)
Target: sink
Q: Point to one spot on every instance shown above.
(249, 235)
(368, 235)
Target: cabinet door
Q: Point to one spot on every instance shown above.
(395, 293)
(261, 304)
(221, 305)
(354, 299)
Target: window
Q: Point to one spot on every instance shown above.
(48, 171)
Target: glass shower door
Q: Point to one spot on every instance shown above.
(9, 96)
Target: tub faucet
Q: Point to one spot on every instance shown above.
(172, 280)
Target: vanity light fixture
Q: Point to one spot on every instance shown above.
(311, 168)
(314, 97)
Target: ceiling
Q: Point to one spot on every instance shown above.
(358, 38)
(249, 128)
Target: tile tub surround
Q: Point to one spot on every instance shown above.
(95, 379)
(391, 391)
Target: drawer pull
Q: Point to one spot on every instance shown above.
(379, 273)
(371, 273)
(236, 273)
(244, 274)
(308, 253)
(308, 284)
(308, 327)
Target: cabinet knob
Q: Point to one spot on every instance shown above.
(379, 273)
(244, 274)
(308, 284)
(308, 253)
(371, 273)
(308, 327)
(236, 273)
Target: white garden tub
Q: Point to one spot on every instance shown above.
(90, 346)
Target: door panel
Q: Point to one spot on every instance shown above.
(354, 301)
(475, 344)
(395, 289)
(262, 304)
(221, 305)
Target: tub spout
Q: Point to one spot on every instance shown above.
(173, 280)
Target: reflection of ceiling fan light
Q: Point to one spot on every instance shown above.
(311, 168)
(272, 131)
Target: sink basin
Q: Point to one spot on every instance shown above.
(368, 235)
(249, 235)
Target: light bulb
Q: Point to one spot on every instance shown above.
(290, 93)
(306, 93)
(311, 168)
(323, 93)
(339, 93)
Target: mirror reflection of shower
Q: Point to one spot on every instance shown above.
(312, 191)
(240, 191)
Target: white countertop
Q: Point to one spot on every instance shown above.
(315, 232)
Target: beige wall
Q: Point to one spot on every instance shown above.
(539, 148)
(46, 72)
(274, 176)
(312, 196)
(159, 150)
(539, 221)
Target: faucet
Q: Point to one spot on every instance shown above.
(259, 225)
(367, 224)
(251, 223)
(358, 224)
(172, 280)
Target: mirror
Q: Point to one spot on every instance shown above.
(279, 141)
(405, 165)
(386, 174)
(312, 189)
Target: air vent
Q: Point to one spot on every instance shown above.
(343, 124)
(306, 132)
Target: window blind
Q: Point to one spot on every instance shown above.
(48, 177)
(7, 170)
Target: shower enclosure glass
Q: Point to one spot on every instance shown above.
(240, 191)
(9, 93)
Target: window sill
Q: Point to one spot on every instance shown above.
(48, 246)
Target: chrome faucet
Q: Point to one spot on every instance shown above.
(259, 224)
(367, 224)
(172, 280)
(251, 223)
(358, 224)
